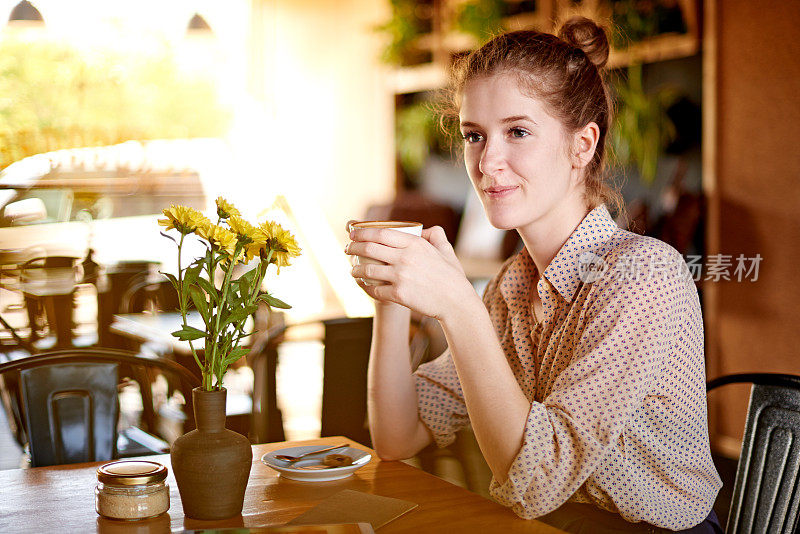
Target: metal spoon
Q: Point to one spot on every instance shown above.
(288, 458)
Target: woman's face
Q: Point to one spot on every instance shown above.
(516, 155)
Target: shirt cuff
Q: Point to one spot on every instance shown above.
(527, 471)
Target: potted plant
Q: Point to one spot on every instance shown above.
(212, 464)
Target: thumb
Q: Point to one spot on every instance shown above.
(349, 227)
(435, 236)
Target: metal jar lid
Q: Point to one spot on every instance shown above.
(131, 473)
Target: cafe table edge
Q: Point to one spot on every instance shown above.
(61, 498)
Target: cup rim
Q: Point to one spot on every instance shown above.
(389, 223)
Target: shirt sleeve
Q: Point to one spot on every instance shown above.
(628, 333)
(440, 400)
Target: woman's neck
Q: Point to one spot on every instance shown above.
(545, 237)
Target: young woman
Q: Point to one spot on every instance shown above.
(581, 370)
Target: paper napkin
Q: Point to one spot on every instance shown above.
(349, 506)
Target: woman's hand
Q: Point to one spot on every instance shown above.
(420, 273)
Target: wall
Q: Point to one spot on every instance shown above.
(753, 53)
(316, 66)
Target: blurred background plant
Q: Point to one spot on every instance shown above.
(636, 20)
(63, 98)
(642, 129)
(481, 18)
(419, 132)
(409, 20)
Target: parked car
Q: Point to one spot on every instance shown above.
(107, 199)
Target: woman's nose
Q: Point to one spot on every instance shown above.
(492, 159)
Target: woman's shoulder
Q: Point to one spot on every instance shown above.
(629, 244)
(637, 263)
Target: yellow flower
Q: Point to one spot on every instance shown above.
(243, 229)
(254, 249)
(281, 242)
(183, 219)
(225, 209)
(249, 236)
(220, 238)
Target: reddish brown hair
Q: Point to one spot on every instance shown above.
(566, 72)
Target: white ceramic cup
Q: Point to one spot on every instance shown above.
(407, 227)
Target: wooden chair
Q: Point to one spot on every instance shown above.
(49, 282)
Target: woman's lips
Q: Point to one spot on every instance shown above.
(500, 191)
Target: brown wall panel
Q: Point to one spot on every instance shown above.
(757, 106)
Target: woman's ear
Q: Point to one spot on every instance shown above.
(585, 144)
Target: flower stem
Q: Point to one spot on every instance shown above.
(182, 300)
(216, 361)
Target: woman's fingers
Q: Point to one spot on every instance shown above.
(370, 249)
(373, 271)
(348, 227)
(368, 289)
(384, 236)
(386, 293)
(416, 272)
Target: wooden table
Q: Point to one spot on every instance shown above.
(61, 499)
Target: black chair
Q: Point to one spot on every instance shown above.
(766, 495)
(70, 405)
(344, 378)
(346, 343)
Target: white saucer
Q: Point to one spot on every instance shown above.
(299, 470)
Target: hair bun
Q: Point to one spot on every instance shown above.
(585, 34)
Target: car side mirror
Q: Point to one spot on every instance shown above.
(26, 211)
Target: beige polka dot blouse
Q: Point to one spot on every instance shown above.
(615, 374)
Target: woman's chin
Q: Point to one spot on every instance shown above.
(502, 223)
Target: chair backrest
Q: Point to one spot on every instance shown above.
(70, 401)
(71, 412)
(344, 383)
(766, 495)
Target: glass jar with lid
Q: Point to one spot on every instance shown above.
(131, 490)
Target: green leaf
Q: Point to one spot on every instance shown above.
(209, 288)
(189, 277)
(191, 273)
(244, 285)
(172, 278)
(247, 279)
(273, 301)
(169, 237)
(199, 299)
(234, 295)
(240, 315)
(188, 333)
(235, 354)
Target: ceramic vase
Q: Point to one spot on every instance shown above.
(211, 464)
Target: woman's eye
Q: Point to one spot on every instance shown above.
(471, 137)
(518, 133)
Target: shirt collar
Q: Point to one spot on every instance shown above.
(591, 234)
